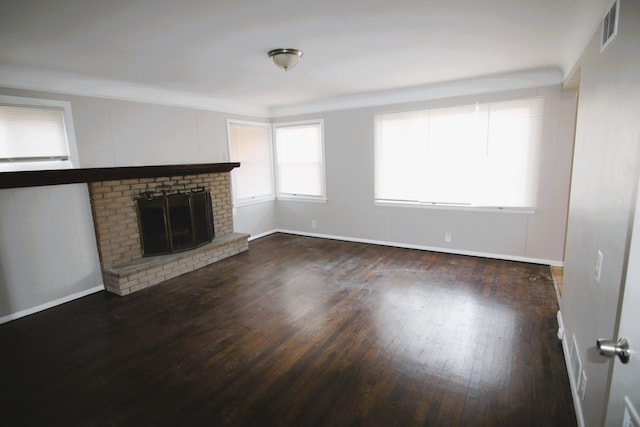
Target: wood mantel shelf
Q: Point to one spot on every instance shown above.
(75, 176)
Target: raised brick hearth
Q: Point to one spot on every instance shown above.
(124, 270)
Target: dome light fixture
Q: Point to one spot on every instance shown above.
(285, 58)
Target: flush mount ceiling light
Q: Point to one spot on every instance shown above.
(285, 58)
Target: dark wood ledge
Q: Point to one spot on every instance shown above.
(75, 176)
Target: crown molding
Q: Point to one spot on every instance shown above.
(485, 84)
(27, 78)
(30, 78)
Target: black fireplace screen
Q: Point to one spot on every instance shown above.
(175, 222)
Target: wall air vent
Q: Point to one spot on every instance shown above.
(610, 25)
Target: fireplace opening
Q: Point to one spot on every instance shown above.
(170, 223)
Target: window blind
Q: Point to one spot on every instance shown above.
(300, 158)
(250, 144)
(484, 155)
(32, 133)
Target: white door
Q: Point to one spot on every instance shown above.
(624, 396)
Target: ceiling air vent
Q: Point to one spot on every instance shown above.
(610, 25)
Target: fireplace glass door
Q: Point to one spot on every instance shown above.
(174, 223)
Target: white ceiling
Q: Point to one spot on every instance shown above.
(213, 53)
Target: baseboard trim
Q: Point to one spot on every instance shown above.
(266, 233)
(41, 307)
(555, 284)
(577, 403)
(418, 247)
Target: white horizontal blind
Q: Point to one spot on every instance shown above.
(250, 144)
(483, 155)
(401, 155)
(32, 133)
(512, 167)
(300, 158)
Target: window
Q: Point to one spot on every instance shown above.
(35, 134)
(300, 160)
(250, 144)
(482, 155)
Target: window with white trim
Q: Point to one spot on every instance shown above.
(300, 160)
(250, 144)
(36, 134)
(481, 155)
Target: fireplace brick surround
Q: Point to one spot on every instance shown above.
(124, 270)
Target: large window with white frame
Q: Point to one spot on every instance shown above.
(250, 144)
(36, 134)
(484, 155)
(300, 167)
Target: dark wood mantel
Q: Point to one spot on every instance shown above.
(75, 176)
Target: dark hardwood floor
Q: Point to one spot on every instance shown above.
(300, 331)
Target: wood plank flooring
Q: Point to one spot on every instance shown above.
(300, 331)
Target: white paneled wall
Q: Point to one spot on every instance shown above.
(604, 183)
(47, 249)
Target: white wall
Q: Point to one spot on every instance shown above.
(255, 219)
(121, 133)
(47, 248)
(350, 211)
(605, 176)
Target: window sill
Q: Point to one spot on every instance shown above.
(255, 201)
(309, 199)
(465, 208)
(34, 166)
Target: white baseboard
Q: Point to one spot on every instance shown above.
(556, 288)
(577, 402)
(266, 233)
(419, 247)
(32, 310)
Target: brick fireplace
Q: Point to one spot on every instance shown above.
(113, 192)
(124, 269)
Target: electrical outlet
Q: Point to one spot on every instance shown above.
(598, 268)
(583, 385)
(447, 237)
(314, 224)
